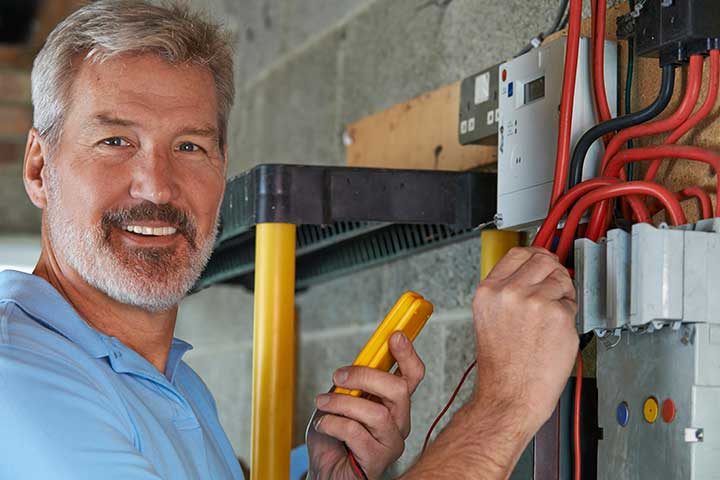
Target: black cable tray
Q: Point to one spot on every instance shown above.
(348, 218)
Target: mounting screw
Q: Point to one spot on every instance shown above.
(694, 435)
(347, 138)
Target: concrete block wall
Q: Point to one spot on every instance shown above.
(304, 71)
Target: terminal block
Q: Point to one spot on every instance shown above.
(672, 29)
(649, 278)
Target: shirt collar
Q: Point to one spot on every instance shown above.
(40, 300)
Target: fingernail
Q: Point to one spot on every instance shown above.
(322, 400)
(341, 375)
(400, 340)
(317, 423)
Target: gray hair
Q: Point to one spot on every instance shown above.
(108, 28)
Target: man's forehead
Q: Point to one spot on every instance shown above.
(127, 86)
(110, 119)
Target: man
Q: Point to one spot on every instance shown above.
(127, 160)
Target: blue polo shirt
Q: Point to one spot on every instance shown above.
(78, 404)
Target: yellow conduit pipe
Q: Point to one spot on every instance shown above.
(273, 351)
(494, 244)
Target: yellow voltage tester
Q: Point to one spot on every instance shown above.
(408, 315)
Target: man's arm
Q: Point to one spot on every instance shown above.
(524, 315)
(55, 422)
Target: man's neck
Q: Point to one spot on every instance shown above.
(150, 334)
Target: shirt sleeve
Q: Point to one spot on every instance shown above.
(56, 422)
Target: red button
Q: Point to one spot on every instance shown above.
(504, 75)
(668, 410)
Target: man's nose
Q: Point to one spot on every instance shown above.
(153, 178)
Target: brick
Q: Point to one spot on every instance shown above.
(15, 86)
(15, 121)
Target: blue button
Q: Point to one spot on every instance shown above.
(622, 414)
(511, 87)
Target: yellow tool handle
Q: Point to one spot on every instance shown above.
(408, 315)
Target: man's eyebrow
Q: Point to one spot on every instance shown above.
(202, 131)
(106, 119)
(207, 131)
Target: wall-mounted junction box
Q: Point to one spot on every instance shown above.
(530, 93)
(479, 108)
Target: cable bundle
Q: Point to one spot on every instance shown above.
(638, 197)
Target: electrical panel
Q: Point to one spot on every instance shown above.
(658, 398)
(648, 297)
(530, 93)
(479, 108)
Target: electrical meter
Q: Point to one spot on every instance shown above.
(530, 93)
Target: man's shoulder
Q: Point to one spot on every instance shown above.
(32, 342)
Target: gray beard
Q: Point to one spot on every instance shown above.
(153, 279)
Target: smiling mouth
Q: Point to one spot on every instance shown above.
(150, 231)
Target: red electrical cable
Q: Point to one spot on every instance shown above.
(544, 236)
(601, 101)
(600, 213)
(576, 418)
(667, 198)
(562, 161)
(355, 465)
(447, 406)
(698, 116)
(706, 209)
(670, 151)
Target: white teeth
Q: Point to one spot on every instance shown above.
(154, 231)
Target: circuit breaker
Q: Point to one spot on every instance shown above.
(530, 93)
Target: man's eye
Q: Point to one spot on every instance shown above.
(189, 147)
(116, 142)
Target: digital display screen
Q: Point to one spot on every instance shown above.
(534, 90)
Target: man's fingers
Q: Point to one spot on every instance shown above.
(393, 391)
(355, 436)
(558, 285)
(514, 259)
(386, 386)
(375, 417)
(410, 366)
(535, 270)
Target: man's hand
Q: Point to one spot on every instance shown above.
(524, 316)
(374, 430)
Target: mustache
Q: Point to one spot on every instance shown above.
(149, 211)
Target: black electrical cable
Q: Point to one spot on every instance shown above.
(630, 168)
(558, 24)
(648, 113)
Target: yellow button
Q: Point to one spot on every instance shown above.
(651, 408)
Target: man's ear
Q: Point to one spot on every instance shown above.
(33, 166)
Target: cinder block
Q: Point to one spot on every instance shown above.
(218, 316)
(310, 18)
(390, 55)
(299, 119)
(352, 300)
(245, 130)
(446, 276)
(228, 375)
